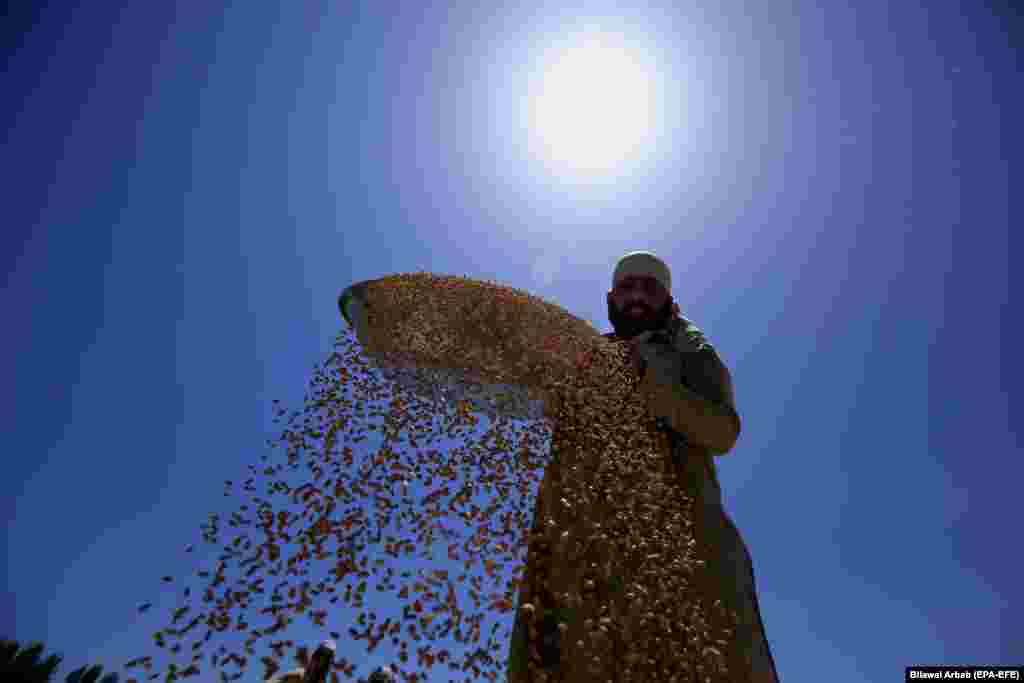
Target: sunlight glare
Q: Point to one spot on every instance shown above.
(594, 107)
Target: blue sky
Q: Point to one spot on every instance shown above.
(190, 187)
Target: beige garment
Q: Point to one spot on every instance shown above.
(728, 578)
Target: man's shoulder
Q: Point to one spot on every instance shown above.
(689, 337)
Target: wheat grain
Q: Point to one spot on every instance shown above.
(609, 549)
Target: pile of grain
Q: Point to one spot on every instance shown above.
(611, 549)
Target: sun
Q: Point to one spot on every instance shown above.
(593, 108)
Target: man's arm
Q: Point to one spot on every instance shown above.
(712, 424)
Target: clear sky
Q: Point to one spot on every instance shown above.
(188, 187)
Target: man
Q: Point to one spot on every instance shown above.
(688, 389)
(317, 669)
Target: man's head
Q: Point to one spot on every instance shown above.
(640, 298)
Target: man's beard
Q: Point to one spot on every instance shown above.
(627, 326)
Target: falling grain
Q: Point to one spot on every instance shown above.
(605, 555)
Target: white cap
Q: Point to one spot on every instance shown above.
(643, 264)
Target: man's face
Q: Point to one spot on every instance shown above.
(638, 304)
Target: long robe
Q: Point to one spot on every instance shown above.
(729, 575)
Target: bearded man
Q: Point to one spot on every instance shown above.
(689, 391)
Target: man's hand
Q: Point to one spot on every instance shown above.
(663, 360)
(634, 352)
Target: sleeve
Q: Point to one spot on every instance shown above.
(700, 403)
